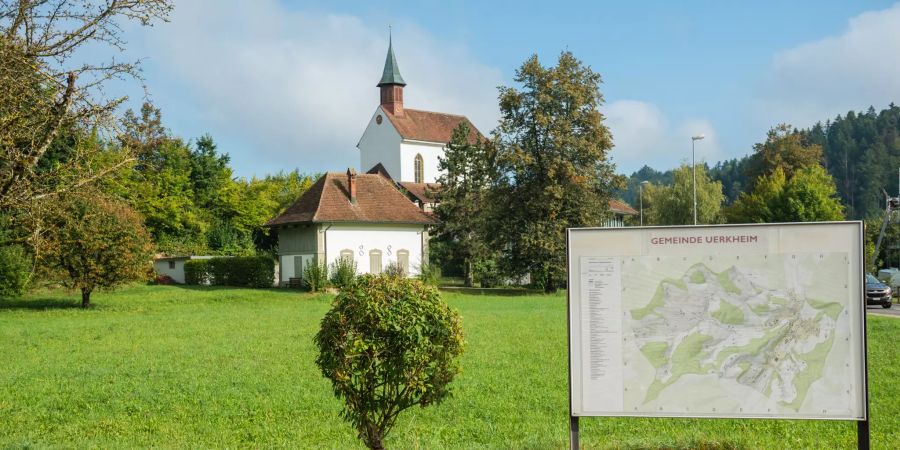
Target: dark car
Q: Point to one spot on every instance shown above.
(877, 293)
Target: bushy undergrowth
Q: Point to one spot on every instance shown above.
(315, 277)
(244, 271)
(343, 272)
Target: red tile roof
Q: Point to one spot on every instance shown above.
(328, 200)
(621, 207)
(429, 126)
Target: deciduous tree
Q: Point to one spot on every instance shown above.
(552, 159)
(99, 243)
(674, 204)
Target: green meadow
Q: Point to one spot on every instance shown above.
(173, 367)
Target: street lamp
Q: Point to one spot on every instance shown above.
(642, 199)
(694, 172)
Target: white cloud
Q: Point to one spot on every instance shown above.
(818, 80)
(285, 89)
(642, 135)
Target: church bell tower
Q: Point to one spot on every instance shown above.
(391, 84)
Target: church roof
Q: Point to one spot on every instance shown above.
(328, 200)
(429, 126)
(420, 191)
(391, 74)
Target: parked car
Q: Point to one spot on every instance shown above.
(877, 293)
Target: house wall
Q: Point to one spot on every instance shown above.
(430, 153)
(301, 241)
(162, 268)
(380, 144)
(361, 238)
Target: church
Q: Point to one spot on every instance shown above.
(382, 215)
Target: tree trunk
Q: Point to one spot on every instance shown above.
(85, 298)
(469, 279)
(373, 438)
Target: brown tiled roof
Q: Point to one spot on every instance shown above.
(429, 126)
(328, 200)
(621, 207)
(420, 191)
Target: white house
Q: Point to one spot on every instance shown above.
(344, 215)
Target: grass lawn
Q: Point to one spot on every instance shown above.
(170, 367)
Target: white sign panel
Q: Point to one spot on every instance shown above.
(718, 321)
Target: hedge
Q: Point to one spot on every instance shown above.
(245, 271)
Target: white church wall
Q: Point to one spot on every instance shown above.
(430, 153)
(380, 144)
(363, 238)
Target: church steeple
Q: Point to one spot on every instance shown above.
(391, 83)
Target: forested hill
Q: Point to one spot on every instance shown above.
(861, 151)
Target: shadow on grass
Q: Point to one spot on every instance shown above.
(40, 304)
(500, 292)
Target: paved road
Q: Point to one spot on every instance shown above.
(878, 310)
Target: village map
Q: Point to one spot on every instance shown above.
(758, 334)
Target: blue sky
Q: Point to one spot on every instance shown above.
(284, 85)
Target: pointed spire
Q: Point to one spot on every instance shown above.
(391, 74)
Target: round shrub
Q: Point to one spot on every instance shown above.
(388, 344)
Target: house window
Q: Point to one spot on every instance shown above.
(419, 169)
(403, 260)
(347, 254)
(171, 265)
(375, 261)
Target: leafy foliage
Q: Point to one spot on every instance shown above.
(196, 272)
(15, 271)
(242, 271)
(809, 196)
(429, 273)
(674, 205)
(462, 201)
(394, 269)
(388, 344)
(785, 149)
(99, 243)
(552, 166)
(343, 272)
(315, 277)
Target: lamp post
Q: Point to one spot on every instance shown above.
(642, 199)
(694, 139)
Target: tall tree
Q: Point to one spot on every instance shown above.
(462, 209)
(673, 204)
(552, 159)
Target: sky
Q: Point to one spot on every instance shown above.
(289, 84)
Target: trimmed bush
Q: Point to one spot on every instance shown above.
(315, 277)
(15, 267)
(388, 344)
(243, 271)
(196, 272)
(343, 272)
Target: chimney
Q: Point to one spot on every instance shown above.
(351, 185)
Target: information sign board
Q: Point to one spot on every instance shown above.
(749, 321)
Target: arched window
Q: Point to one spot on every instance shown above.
(403, 260)
(419, 169)
(375, 261)
(347, 254)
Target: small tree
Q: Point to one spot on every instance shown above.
(388, 344)
(99, 243)
(315, 276)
